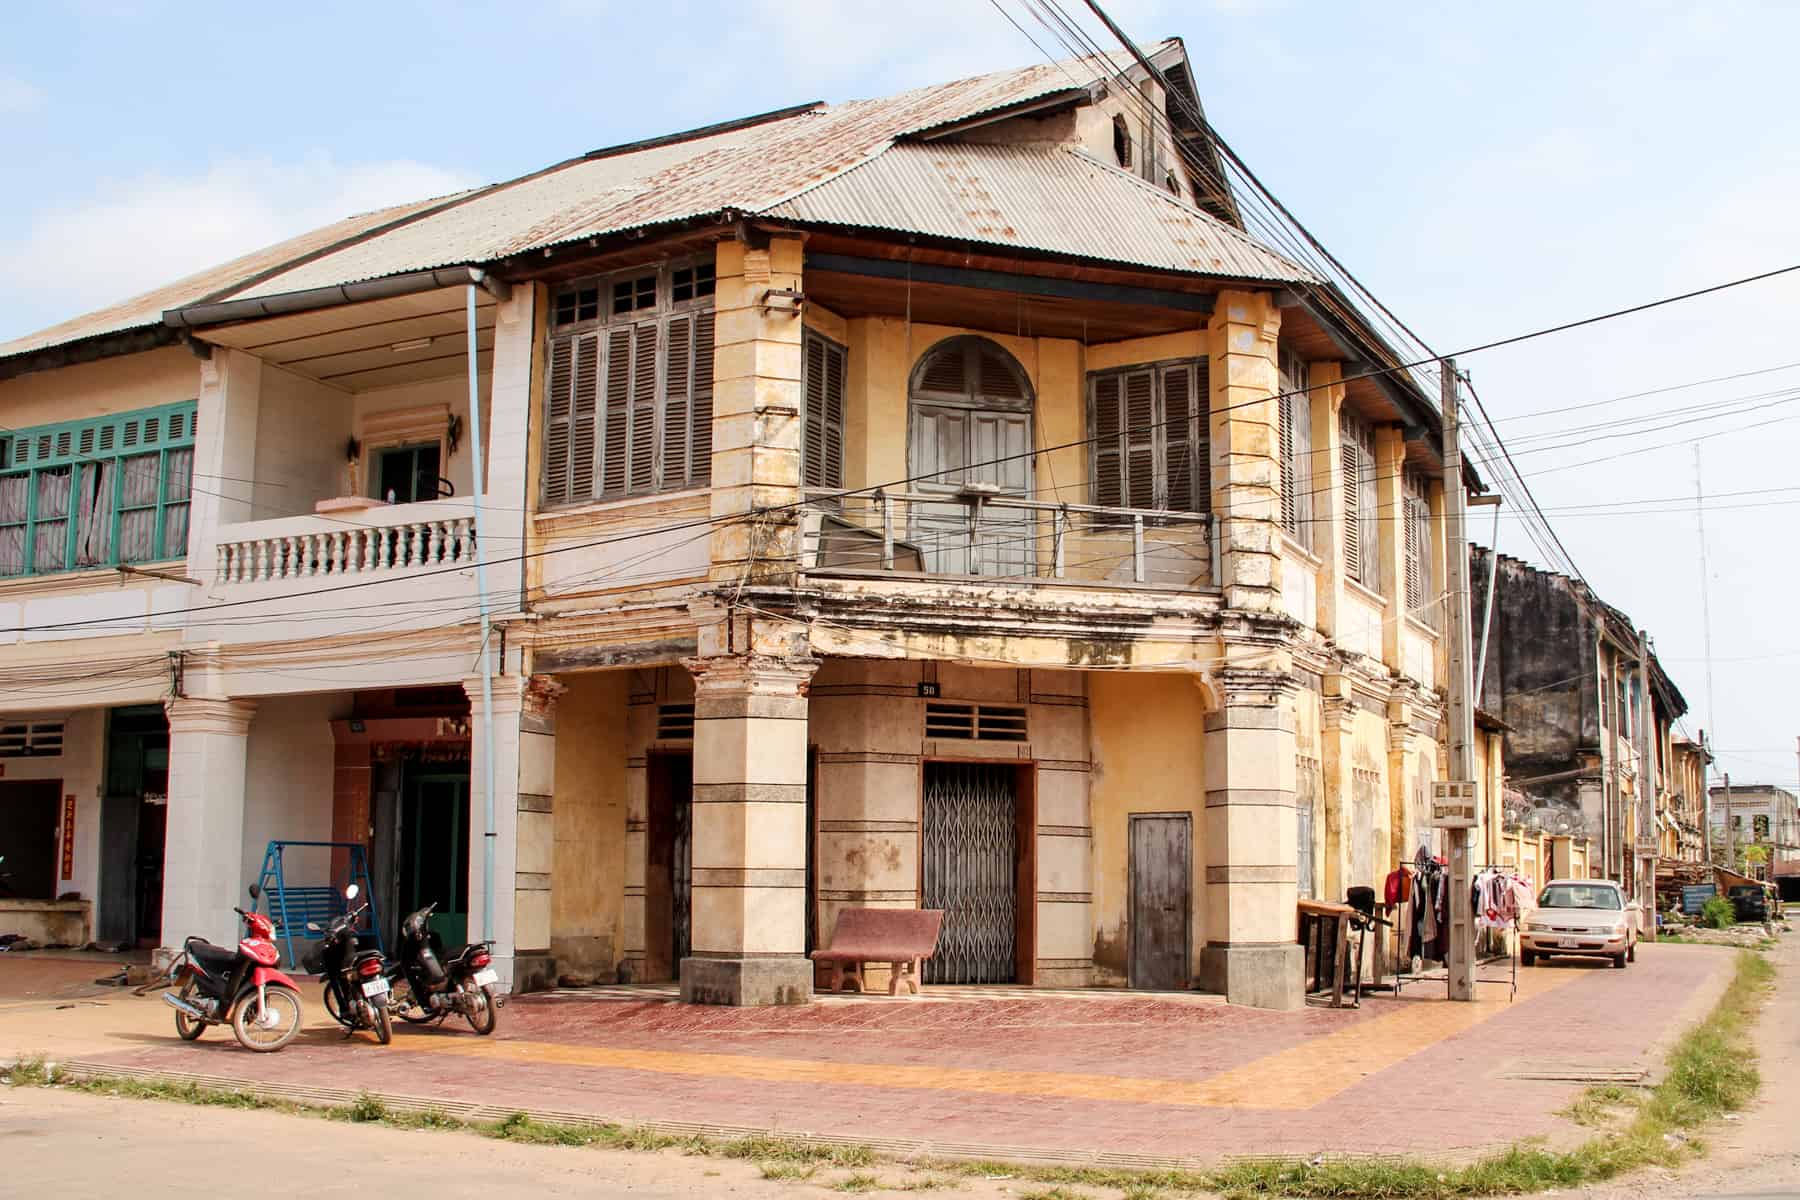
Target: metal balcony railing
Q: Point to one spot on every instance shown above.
(980, 534)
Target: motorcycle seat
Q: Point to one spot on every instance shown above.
(214, 960)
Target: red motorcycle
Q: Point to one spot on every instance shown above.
(240, 988)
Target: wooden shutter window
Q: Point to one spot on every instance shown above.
(1108, 420)
(700, 470)
(1178, 433)
(1290, 514)
(822, 450)
(1140, 441)
(1151, 445)
(617, 418)
(556, 421)
(1368, 519)
(678, 403)
(1350, 494)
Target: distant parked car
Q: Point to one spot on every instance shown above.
(1586, 917)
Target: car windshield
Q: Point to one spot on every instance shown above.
(1578, 896)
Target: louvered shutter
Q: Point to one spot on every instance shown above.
(1290, 515)
(1141, 482)
(644, 391)
(700, 472)
(1415, 583)
(678, 402)
(1366, 520)
(584, 417)
(822, 462)
(1202, 434)
(1107, 402)
(1350, 492)
(558, 399)
(1300, 426)
(1178, 438)
(617, 418)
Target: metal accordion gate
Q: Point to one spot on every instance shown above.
(970, 847)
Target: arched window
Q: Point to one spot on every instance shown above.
(970, 429)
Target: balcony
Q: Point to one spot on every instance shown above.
(977, 535)
(379, 540)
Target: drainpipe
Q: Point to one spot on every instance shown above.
(487, 629)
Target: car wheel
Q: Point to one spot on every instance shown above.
(1527, 958)
(1619, 961)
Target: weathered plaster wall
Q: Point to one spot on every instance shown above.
(301, 429)
(288, 782)
(587, 899)
(95, 389)
(1309, 791)
(1148, 757)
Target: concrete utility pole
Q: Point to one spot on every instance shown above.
(1462, 703)
(1730, 828)
(1649, 793)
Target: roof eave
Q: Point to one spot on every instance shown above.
(135, 340)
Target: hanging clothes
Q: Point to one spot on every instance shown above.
(1399, 886)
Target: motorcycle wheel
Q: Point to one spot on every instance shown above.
(187, 1028)
(384, 1028)
(283, 1022)
(332, 1008)
(483, 1010)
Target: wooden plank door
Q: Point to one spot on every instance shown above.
(1161, 900)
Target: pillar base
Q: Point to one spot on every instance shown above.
(747, 982)
(1256, 976)
(533, 971)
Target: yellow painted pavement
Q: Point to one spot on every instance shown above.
(1296, 1078)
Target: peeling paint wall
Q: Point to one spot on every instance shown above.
(1148, 756)
(587, 897)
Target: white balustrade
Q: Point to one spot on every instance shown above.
(347, 549)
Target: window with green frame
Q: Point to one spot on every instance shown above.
(98, 492)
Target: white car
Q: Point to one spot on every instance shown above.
(1586, 917)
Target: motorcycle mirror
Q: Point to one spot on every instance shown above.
(255, 891)
(351, 892)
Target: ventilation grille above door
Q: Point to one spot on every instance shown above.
(38, 739)
(675, 721)
(975, 722)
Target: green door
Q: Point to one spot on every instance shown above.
(434, 864)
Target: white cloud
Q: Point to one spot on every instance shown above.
(140, 233)
(18, 97)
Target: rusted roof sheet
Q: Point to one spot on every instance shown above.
(1049, 198)
(148, 308)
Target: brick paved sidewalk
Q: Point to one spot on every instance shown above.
(1067, 1075)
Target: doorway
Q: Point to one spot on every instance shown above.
(431, 848)
(1162, 900)
(29, 811)
(970, 441)
(133, 823)
(976, 863)
(669, 865)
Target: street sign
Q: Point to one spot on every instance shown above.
(1453, 804)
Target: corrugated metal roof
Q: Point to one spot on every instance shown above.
(839, 164)
(148, 308)
(1051, 198)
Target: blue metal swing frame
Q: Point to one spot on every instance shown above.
(291, 906)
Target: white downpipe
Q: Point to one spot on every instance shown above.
(487, 653)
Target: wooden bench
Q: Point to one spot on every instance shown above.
(901, 937)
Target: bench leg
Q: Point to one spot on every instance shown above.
(853, 974)
(907, 973)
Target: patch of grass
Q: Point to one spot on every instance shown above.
(793, 1171)
(180, 1092)
(1711, 1072)
(522, 1128)
(31, 1072)
(791, 1150)
(365, 1109)
(926, 1183)
(1600, 1106)
(859, 1182)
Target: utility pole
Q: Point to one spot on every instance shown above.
(1448, 809)
(1649, 793)
(1730, 828)
(1712, 711)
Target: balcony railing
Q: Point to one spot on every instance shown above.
(988, 536)
(376, 540)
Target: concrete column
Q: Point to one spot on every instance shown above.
(1251, 953)
(1405, 828)
(514, 402)
(203, 858)
(1390, 514)
(225, 421)
(1328, 490)
(749, 832)
(1246, 467)
(757, 406)
(1337, 758)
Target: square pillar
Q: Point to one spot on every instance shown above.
(204, 854)
(1252, 954)
(1390, 518)
(1337, 759)
(1246, 465)
(749, 832)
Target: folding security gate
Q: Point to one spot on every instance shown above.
(970, 847)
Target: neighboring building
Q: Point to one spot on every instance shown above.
(886, 503)
(1757, 815)
(1685, 820)
(1589, 711)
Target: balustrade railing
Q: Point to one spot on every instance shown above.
(348, 549)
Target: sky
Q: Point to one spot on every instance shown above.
(1487, 171)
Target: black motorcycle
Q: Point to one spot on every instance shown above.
(355, 977)
(426, 989)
